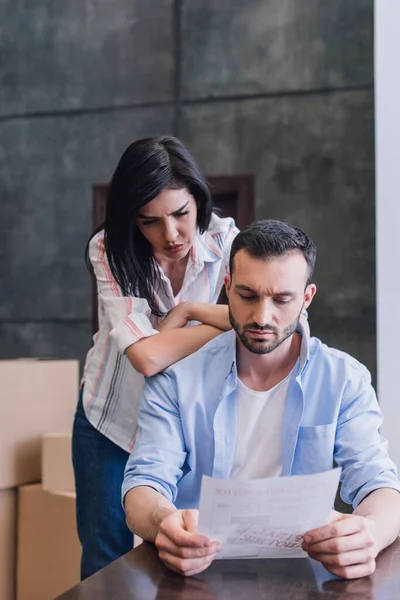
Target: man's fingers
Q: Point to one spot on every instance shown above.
(345, 546)
(346, 559)
(181, 537)
(354, 571)
(180, 547)
(338, 545)
(185, 566)
(166, 545)
(334, 516)
(199, 568)
(190, 520)
(339, 528)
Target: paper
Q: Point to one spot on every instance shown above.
(265, 518)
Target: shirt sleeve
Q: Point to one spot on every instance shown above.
(128, 316)
(359, 448)
(159, 454)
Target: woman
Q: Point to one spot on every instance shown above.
(159, 260)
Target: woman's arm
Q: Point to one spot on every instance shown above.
(209, 314)
(150, 355)
(153, 354)
(148, 349)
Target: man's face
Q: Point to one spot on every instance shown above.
(266, 297)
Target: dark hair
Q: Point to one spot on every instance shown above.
(146, 168)
(265, 239)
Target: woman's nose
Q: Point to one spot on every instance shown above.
(170, 232)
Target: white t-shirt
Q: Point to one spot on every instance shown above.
(259, 431)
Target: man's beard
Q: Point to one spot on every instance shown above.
(262, 346)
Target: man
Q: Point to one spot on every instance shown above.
(263, 400)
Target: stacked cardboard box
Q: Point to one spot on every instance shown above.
(7, 543)
(57, 471)
(37, 396)
(48, 558)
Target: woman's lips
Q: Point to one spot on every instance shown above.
(176, 248)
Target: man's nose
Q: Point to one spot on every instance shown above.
(263, 313)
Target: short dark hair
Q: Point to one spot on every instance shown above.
(147, 167)
(269, 238)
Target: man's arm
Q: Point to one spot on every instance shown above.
(150, 484)
(159, 453)
(382, 509)
(145, 510)
(360, 449)
(349, 544)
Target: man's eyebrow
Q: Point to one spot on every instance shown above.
(244, 288)
(178, 210)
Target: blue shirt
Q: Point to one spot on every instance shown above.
(188, 421)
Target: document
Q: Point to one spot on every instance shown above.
(265, 518)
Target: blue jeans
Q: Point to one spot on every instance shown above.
(99, 466)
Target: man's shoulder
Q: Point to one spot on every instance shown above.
(321, 353)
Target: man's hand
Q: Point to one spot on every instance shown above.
(179, 545)
(345, 546)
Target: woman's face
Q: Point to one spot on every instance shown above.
(169, 223)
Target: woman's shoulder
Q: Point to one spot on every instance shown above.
(219, 224)
(219, 236)
(97, 241)
(96, 248)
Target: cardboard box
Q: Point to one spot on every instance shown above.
(37, 396)
(8, 502)
(48, 549)
(57, 470)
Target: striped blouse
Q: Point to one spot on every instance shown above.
(112, 386)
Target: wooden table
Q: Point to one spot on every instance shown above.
(139, 575)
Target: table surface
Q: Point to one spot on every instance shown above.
(140, 575)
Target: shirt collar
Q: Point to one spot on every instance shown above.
(304, 348)
(205, 249)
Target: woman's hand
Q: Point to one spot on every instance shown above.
(216, 315)
(177, 317)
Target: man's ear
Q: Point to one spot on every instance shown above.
(309, 294)
(227, 282)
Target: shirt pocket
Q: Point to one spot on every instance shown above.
(315, 448)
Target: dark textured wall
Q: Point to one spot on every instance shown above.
(283, 90)
(81, 80)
